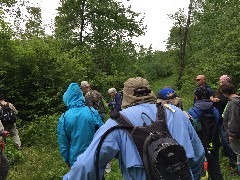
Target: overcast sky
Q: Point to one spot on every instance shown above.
(156, 17)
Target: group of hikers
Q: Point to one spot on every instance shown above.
(150, 135)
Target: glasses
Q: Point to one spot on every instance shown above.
(198, 79)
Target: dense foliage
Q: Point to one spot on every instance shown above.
(213, 41)
(36, 68)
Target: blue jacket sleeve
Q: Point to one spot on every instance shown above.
(84, 167)
(63, 141)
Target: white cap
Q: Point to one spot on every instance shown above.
(85, 84)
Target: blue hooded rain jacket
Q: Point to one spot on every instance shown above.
(77, 126)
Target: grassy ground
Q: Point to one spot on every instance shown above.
(40, 158)
(45, 163)
(40, 163)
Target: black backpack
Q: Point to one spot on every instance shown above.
(163, 158)
(6, 114)
(209, 135)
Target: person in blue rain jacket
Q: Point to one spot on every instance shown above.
(77, 126)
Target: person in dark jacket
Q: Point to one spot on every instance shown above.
(220, 105)
(204, 105)
(231, 118)
(116, 99)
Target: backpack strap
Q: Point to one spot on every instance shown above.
(161, 117)
(120, 119)
(1, 105)
(198, 115)
(123, 123)
(4, 105)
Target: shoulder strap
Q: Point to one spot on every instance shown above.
(4, 105)
(196, 112)
(161, 117)
(123, 123)
(119, 118)
(126, 127)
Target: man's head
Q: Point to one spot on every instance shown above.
(224, 79)
(112, 92)
(137, 91)
(228, 89)
(202, 92)
(85, 86)
(2, 97)
(201, 80)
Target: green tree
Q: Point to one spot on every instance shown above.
(33, 26)
(215, 40)
(101, 26)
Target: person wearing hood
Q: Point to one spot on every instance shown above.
(77, 126)
(137, 99)
(231, 118)
(204, 106)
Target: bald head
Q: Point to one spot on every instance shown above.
(201, 80)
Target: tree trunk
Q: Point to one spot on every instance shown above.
(82, 21)
(183, 43)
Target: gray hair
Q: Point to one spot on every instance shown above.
(111, 90)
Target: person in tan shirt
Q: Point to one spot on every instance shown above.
(11, 128)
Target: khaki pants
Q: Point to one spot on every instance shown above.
(11, 128)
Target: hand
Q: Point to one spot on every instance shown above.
(231, 138)
(215, 99)
(5, 133)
